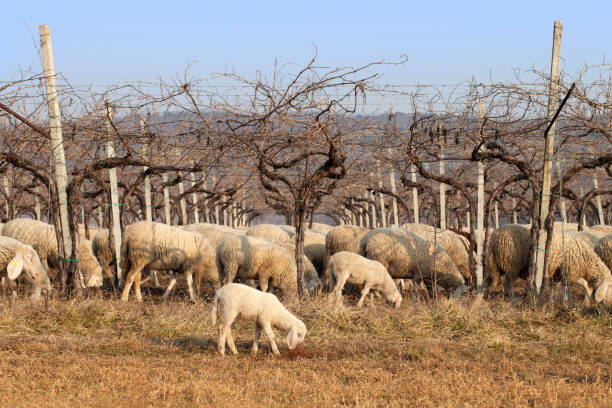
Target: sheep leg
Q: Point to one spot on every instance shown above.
(128, 282)
(221, 330)
(337, 290)
(587, 289)
(192, 295)
(256, 341)
(169, 288)
(364, 292)
(508, 287)
(267, 328)
(263, 283)
(230, 341)
(137, 288)
(153, 275)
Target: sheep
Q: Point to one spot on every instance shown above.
(42, 237)
(270, 232)
(19, 260)
(454, 244)
(310, 273)
(314, 245)
(213, 232)
(407, 255)
(323, 228)
(349, 267)
(588, 237)
(161, 247)
(508, 253)
(234, 300)
(603, 249)
(601, 229)
(344, 238)
(248, 257)
(102, 251)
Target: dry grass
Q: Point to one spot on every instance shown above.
(96, 352)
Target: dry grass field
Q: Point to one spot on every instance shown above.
(100, 353)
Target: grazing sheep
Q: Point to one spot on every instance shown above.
(344, 238)
(42, 237)
(603, 249)
(161, 247)
(324, 228)
(248, 257)
(234, 300)
(455, 245)
(313, 284)
(587, 237)
(213, 232)
(38, 234)
(407, 255)
(102, 251)
(19, 260)
(507, 254)
(601, 229)
(314, 246)
(270, 232)
(349, 267)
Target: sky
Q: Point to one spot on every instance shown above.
(446, 42)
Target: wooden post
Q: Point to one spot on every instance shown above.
(514, 215)
(394, 201)
(496, 215)
(182, 203)
(442, 185)
(217, 221)
(381, 197)
(166, 199)
(415, 194)
(115, 210)
(553, 103)
(480, 213)
(561, 200)
(194, 196)
(37, 207)
(57, 142)
(373, 209)
(8, 194)
(602, 221)
(147, 180)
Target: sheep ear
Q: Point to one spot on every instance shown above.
(292, 338)
(14, 267)
(600, 293)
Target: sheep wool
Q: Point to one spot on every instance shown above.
(349, 267)
(30, 269)
(234, 300)
(270, 232)
(603, 249)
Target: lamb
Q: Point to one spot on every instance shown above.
(346, 266)
(454, 244)
(161, 247)
(234, 300)
(248, 257)
(19, 260)
(41, 236)
(270, 232)
(406, 255)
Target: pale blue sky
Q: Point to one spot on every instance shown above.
(109, 42)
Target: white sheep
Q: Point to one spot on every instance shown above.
(41, 236)
(324, 228)
(601, 229)
(455, 245)
(603, 249)
(213, 232)
(507, 254)
(248, 257)
(162, 247)
(235, 300)
(348, 267)
(270, 232)
(313, 284)
(21, 260)
(407, 255)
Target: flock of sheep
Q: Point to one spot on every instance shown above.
(380, 261)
